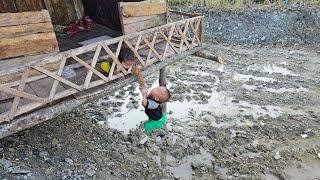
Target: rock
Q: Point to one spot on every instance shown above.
(158, 140)
(143, 140)
(235, 101)
(44, 155)
(11, 168)
(263, 39)
(90, 169)
(18, 170)
(54, 142)
(304, 136)
(101, 122)
(196, 164)
(69, 161)
(319, 155)
(144, 164)
(277, 156)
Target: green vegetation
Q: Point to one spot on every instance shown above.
(240, 3)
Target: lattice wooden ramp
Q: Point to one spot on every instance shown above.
(44, 82)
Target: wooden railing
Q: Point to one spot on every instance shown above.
(149, 47)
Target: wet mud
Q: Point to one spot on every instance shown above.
(255, 117)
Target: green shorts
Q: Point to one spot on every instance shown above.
(151, 125)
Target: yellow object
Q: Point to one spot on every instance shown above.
(106, 66)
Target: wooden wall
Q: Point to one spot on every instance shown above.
(26, 33)
(61, 11)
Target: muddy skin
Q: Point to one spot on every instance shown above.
(256, 117)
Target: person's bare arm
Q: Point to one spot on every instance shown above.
(144, 96)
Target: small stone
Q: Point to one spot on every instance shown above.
(144, 164)
(69, 172)
(17, 170)
(304, 136)
(6, 163)
(101, 122)
(277, 156)
(235, 101)
(44, 155)
(90, 169)
(263, 38)
(90, 172)
(319, 155)
(291, 52)
(11, 150)
(54, 142)
(307, 131)
(143, 140)
(69, 161)
(158, 140)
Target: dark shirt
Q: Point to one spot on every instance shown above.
(153, 109)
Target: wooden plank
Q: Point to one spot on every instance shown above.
(16, 100)
(14, 19)
(56, 82)
(16, 76)
(142, 25)
(90, 68)
(134, 9)
(22, 94)
(28, 45)
(134, 51)
(78, 5)
(93, 65)
(152, 49)
(130, 20)
(15, 31)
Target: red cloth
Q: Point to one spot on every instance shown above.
(81, 25)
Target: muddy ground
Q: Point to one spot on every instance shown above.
(256, 117)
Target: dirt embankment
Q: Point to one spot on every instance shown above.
(278, 26)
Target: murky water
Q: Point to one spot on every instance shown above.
(184, 168)
(219, 104)
(272, 69)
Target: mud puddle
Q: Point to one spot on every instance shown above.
(218, 103)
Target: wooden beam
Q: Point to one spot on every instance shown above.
(16, 31)
(28, 45)
(145, 24)
(16, 100)
(14, 19)
(22, 94)
(56, 77)
(130, 20)
(134, 9)
(163, 82)
(209, 56)
(56, 82)
(93, 65)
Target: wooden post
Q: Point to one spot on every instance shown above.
(163, 82)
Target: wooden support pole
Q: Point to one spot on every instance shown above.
(163, 82)
(207, 55)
